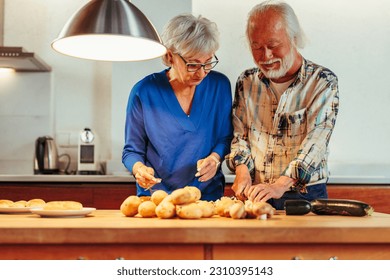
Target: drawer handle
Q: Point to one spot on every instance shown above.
(297, 258)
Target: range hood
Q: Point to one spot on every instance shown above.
(21, 61)
(18, 58)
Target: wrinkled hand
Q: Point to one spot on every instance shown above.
(144, 175)
(207, 167)
(242, 182)
(263, 192)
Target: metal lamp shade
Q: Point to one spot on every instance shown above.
(109, 30)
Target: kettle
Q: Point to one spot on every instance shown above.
(46, 156)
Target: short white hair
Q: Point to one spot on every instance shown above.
(189, 35)
(293, 28)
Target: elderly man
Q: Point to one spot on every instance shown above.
(284, 113)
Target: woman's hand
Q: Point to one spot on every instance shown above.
(207, 167)
(144, 175)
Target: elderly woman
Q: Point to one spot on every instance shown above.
(178, 121)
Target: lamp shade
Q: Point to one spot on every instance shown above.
(109, 30)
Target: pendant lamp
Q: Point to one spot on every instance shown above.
(109, 30)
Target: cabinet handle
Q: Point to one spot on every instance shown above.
(297, 258)
(84, 258)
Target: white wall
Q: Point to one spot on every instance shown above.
(20, 122)
(352, 39)
(76, 94)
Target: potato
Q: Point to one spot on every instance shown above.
(181, 196)
(207, 208)
(189, 211)
(261, 208)
(147, 209)
(237, 210)
(166, 210)
(129, 206)
(158, 196)
(144, 198)
(195, 192)
(248, 209)
(222, 206)
(168, 198)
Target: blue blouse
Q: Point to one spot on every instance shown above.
(159, 133)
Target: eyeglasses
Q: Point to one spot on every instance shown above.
(193, 67)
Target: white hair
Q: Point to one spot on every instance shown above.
(189, 35)
(293, 28)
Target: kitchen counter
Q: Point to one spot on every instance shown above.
(340, 173)
(107, 234)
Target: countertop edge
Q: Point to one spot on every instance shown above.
(214, 230)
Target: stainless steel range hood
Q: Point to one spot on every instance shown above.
(21, 61)
(18, 58)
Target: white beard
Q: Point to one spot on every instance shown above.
(285, 64)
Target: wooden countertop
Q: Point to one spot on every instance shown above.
(111, 227)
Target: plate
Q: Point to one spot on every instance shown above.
(15, 210)
(63, 213)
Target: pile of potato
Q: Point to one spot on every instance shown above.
(185, 203)
(237, 209)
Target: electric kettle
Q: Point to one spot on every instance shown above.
(46, 156)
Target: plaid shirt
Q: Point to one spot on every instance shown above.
(289, 137)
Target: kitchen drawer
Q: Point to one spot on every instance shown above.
(302, 252)
(101, 252)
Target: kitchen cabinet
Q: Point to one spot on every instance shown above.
(110, 195)
(107, 234)
(302, 252)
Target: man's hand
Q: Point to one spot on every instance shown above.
(242, 182)
(263, 192)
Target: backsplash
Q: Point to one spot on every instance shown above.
(25, 114)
